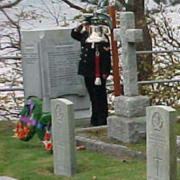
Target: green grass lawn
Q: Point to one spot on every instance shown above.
(29, 161)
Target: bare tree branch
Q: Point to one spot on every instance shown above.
(74, 6)
(15, 24)
(10, 4)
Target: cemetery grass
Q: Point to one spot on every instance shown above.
(29, 161)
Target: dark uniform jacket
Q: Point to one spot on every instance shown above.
(87, 59)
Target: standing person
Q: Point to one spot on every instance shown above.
(91, 70)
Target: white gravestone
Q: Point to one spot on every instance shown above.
(63, 133)
(6, 178)
(50, 64)
(128, 123)
(161, 143)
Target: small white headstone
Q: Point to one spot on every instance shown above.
(161, 143)
(6, 178)
(63, 133)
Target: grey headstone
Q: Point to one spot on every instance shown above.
(63, 133)
(6, 178)
(161, 143)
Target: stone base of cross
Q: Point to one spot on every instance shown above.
(128, 124)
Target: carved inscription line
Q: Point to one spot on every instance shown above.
(64, 43)
(63, 46)
(157, 139)
(29, 48)
(157, 159)
(30, 58)
(152, 178)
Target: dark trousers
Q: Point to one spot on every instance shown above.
(98, 97)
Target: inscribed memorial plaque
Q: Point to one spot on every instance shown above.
(50, 63)
(31, 64)
(60, 54)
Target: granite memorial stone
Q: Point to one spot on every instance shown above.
(161, 143)
(50, 63)
(128, 124)
(63, 133)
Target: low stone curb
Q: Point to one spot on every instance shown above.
(109, 148)
(106, 148)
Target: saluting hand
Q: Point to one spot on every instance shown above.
(79, 28)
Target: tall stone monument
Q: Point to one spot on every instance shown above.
(63, 133)
(50, 64)
(128, 124)
(161, 143)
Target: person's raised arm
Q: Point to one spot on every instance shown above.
(76, 32)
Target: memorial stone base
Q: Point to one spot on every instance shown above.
(129, 122)
(134, 106)
(82, 118)
(128, 130)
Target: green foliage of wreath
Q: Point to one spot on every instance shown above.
(36, 115)
(32, 113)
(45, 122)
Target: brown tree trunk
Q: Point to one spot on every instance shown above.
(144, 60)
